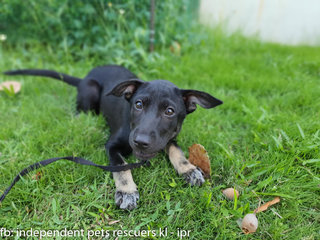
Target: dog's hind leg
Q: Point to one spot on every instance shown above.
(88, 98)
(191, 173)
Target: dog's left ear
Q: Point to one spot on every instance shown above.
(127, 88)
(193, 97)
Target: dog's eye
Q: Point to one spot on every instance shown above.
(139, 105)
(169, 111)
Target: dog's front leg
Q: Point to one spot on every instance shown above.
(191, 173)
(127, 195)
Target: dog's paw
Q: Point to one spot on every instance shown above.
(127, 201)
(194, 177)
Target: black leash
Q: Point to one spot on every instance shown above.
(78, 160)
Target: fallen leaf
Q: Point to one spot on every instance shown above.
(267, 205)
(175, 48)
(198, 156)
(113, 222)
(7, 85)
(247, 182)
(37, 176)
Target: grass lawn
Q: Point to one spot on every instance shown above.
(264, 140)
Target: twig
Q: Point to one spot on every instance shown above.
(152, 31)
(276, 213)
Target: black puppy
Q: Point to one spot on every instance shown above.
(146, 120)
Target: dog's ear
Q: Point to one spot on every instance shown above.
(193, 97)
(127, 88)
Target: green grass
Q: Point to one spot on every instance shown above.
(264, 140)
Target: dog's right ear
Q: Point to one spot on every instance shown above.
(127, 88)
(193, 97)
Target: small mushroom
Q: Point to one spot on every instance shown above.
(229, 193)
(249, 223)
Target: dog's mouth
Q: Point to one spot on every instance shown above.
(144, 156)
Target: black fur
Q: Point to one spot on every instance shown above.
(140, 122)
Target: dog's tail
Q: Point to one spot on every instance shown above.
(74, 81)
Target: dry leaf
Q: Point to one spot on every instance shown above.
(7, 85)
(247, 182)
(267, 204)
(198, 156)
(175, 48)
(113, 222)
(37, 176)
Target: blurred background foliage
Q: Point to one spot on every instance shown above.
(114, 31)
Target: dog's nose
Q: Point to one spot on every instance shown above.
(142, 141)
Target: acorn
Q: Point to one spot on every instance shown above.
(229, 193)
(249, 223)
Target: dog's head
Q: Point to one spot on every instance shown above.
(158, 109)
